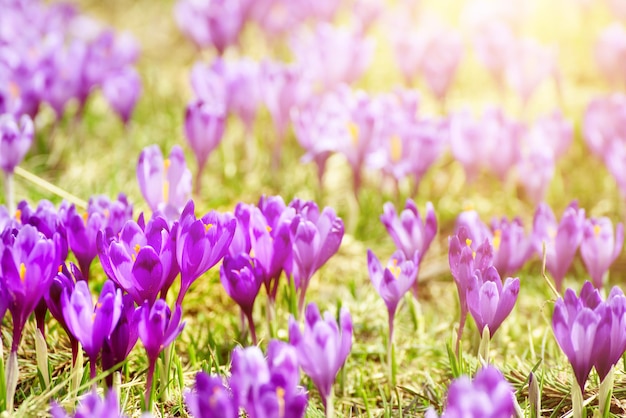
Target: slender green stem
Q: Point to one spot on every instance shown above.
(12, 374)
(390, 357)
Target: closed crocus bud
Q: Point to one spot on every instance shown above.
(91, 324)
(409, 232)
(323, 341)
(204, 129)
(15, 140)
(122, 90)
(395, 280)
(512, 247)
(164, 183)
(600, 247)
(242, 278)
(562, 239)
(210, 398)
(122, 339)
(489, 301)
(604, 121)
(610, 338)
(575, 322)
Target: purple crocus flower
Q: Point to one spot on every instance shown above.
(395, 280)
(204, 129)
(122, 90)
(511, 247)
(141, 261)
(47, 221)
(215, 23)
(90, 324)
(610, 51)
(315, 238)
(410, 234)
(464, 263)
(575, 321)
(63, 282)
(164, 183)
(201, 244)
(322, 348)
(90, 406)
(268, 388)
(116, 212)
(122, 339)
(276, 225)
(331, 56)
(600, 246)
(489, 301)
(562, 239)
(28, 265)
(604, 123)
(210, 398)
(610, 339)
(82, 230)
(488, 395)
(242, 278)
(157, 329)
(15, 140)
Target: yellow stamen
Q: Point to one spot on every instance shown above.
(280, 394)
(468, 242)
(14, 90)
(497, 239)
(395, 268)
(596, 230)
(22, 272)
(18, 215)
(166, 164)
(269, 228)
(137, 247)
(85, 216)
(60, 269)
(353, 128)
(252, 253)
(396, 148)
(207, 227)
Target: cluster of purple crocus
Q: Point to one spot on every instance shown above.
(599, 241)
(590, 331)
(53, 54)
(220, 24)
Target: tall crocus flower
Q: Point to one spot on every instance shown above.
(488, 395)
(575, 322)
(201, 244)
(268, 388)
(322, 348)
(315, 237)
(204, 128)
(29, 263)
(142, 261)
(164, 183)
(122, 339)
(611, 340)
(64, 281)
(600, 246)
(157, 328)
(242, 278)
(92, 324)
(465, 258)
(409, 232)
(562, 239)
(15, 140)
(121, 90)
(489, 300)
(92, 405)
(392, 283)
(210, 398)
